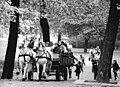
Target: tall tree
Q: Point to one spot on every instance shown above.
(105, 61)
(44, 22)
(11, 48)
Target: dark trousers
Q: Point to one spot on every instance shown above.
(95, 75)
(115, 74)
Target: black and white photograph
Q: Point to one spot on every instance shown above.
(59, 43)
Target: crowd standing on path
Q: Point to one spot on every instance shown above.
(94, 55)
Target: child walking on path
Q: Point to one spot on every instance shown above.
(94, 68)
(115, 68)
(79, 68)
(82, 59)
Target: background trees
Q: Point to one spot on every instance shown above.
(87, 17)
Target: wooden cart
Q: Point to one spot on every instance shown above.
(59, 65)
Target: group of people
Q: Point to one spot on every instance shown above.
(62, 47)
(94, 55)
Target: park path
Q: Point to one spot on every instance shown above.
(16, 81)
(86, 75)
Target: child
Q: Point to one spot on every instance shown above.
(74, 58)
(78, 69)
(94, 68)
(82, 59)
(115, 68)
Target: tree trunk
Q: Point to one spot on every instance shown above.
(59, 36)
(11, 48)
(101, 45)
(45, 29)
(104, 67)
(86, 45)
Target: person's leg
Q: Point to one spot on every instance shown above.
(95, 75)
(83, 62)
(34, 65)
(48, 67)
(78, 76)
(115, 75)
(70, 71)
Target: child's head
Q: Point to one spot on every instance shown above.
(114, 61)
(69, 50)
(80, 55)
(79, 63)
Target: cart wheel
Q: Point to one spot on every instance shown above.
(40, 72)
(29, 75)
(57, 75)
(65, 73)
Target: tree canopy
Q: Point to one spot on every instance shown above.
(59, 13)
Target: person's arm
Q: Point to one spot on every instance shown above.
(74, 57)
(118, 67)
(81, 68)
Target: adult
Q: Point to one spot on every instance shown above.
(91, 53)
(48, 50)
(97, 53)
(56, 48)
(63, 47)
(97, 49)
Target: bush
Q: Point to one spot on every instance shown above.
(91, 43)
(80, 44)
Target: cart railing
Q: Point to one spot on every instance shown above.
(66, 59)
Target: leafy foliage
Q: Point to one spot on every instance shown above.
(72, 17)
(90, 14)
